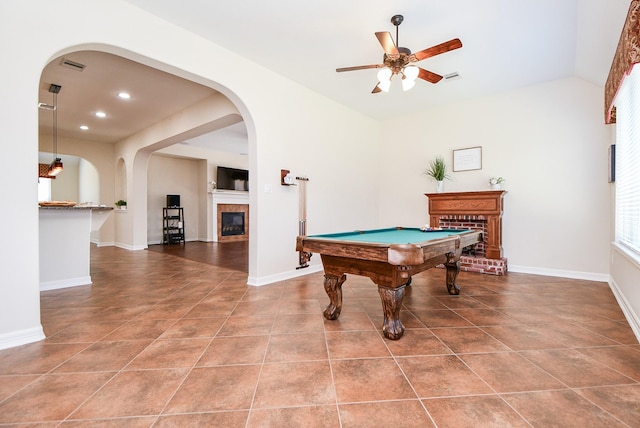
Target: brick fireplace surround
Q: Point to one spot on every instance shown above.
(478, 211)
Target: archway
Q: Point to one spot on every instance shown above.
(132, 157)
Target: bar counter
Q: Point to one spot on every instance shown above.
(65, 236)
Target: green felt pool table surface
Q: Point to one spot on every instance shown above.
(393, 235)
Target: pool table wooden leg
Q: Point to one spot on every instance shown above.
(333, 287)
(453, 269)
(392, 327)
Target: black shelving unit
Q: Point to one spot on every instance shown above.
(173, 225)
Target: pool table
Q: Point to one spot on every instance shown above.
(390, 257)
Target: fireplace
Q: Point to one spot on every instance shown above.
(232, 223)
(478, 211)
(473, 222)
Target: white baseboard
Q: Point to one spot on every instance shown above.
(629, 314)
(520, 269)
(589, 276)
(131, 247)
(283, 275)
(64, 283)
(21, 337)
(156, 242)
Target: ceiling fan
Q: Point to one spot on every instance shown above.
(397, 60)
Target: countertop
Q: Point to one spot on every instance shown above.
(95, 208)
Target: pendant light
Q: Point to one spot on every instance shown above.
(56, 165)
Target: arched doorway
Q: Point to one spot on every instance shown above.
(173, 98)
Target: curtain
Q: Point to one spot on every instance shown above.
(627, 54)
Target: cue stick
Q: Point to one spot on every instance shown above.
(303, 256)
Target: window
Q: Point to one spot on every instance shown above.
(44, 189)
(628, 162)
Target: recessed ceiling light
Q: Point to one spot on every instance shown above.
(84, 127)
(124, 95)
(101, 114)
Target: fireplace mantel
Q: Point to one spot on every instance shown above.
(230, 197)
(487, 205)
(229, 202)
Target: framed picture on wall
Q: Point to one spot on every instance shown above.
(467, 159)
(612, 163)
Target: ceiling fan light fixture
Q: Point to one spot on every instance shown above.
(410, 72)
(384, 74)
(396, 60)
(384, 85)
(407, 83)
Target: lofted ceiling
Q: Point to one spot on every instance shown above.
(506, 44)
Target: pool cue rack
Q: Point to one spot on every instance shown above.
(303, 256)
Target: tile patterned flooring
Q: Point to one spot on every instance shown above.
(167, 338)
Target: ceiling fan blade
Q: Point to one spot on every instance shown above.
(428, 76)
(359, 67)
(385, 39)
(437, 49)
(376, 89)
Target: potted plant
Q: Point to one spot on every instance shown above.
(121, 204)
(438, 171)
(496, 182)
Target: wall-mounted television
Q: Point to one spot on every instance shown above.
(232, 179)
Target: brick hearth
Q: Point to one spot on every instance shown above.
(477, 211)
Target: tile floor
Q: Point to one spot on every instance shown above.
(166, 341)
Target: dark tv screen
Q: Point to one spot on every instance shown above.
(173, 201)
(232, 179)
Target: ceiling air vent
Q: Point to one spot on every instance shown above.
(451, 76)
(72, 64)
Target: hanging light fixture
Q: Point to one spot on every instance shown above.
(56, 165)
(384, 79)
(398, 60)
(409, 75)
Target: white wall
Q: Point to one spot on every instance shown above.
(288, 125)
(172, 176)
(208, 161)
(550, 143)
(88, 182)
(65, 186)
(625, 277)
(100, 156)
(212, 113)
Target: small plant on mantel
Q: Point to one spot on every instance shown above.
(437, 169)
(121, 203)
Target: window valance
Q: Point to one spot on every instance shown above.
(627, 55)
